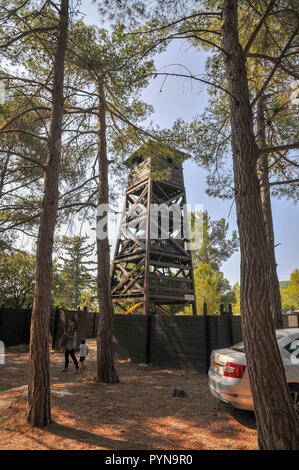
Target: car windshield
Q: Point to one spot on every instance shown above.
(240, 346)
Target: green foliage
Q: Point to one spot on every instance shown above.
(16, 279)
(74, 283)
(27, 74)
(21, 155)
(210, 285)
(211, 288)
(216, 247)
(208, 137)
(281, 118)
(6, 243)
(122, 66)
(290, 294)
(236, 306)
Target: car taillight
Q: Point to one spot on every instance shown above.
(229, 394)
(234, 370)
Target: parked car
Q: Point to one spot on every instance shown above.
(228, 374)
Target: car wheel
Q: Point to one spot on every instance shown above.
(294, 391)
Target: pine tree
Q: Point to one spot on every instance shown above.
(16, 279)
(217, 25)
(75, 276)
(117, 68)
(39, 410)
(212, 289)
(216, 247)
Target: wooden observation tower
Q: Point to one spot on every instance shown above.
(152, 267)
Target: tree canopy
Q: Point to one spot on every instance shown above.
(17, 279)
(216, 246)
(290, 294)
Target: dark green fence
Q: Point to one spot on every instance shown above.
(165, 341)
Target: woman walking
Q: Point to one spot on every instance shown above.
(70, 336)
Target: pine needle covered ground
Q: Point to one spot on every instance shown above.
(139, 413)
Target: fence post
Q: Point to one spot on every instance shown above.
(25, 335)
(222, 309)
(205, 309)
(231, 333)
(83, 326)
(207, 335)
(148, 338)
(94, 326)
(207, 341)
(56, 317)
(1, 321)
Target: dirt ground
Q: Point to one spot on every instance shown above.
(140, 413)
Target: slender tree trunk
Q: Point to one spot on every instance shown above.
(77, 276)
(274, 287)
(277, 422)
(105, 363)
(3, 174)
(39, 410)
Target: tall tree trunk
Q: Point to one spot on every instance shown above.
(39, 410)
(274, 287)
(277, 423)
(105, 363)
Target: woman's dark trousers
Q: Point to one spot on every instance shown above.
(70, 352)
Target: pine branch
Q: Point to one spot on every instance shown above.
(26, 33)
(259, 25)
(279, 59)
(289, 161)
(275, 183)
(25, 157)
(30, 81)
(293, 73)
(80, 204)
(169, 25)
(11, 131)
(277, 148)
(193, 77)
(23, 113)
(20, 222)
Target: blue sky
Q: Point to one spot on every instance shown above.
(183, 98)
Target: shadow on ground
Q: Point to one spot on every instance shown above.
(138, 413)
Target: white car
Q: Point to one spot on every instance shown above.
(228, 374)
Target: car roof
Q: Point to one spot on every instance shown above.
(288, 331)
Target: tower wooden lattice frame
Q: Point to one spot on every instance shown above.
(156, 272)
